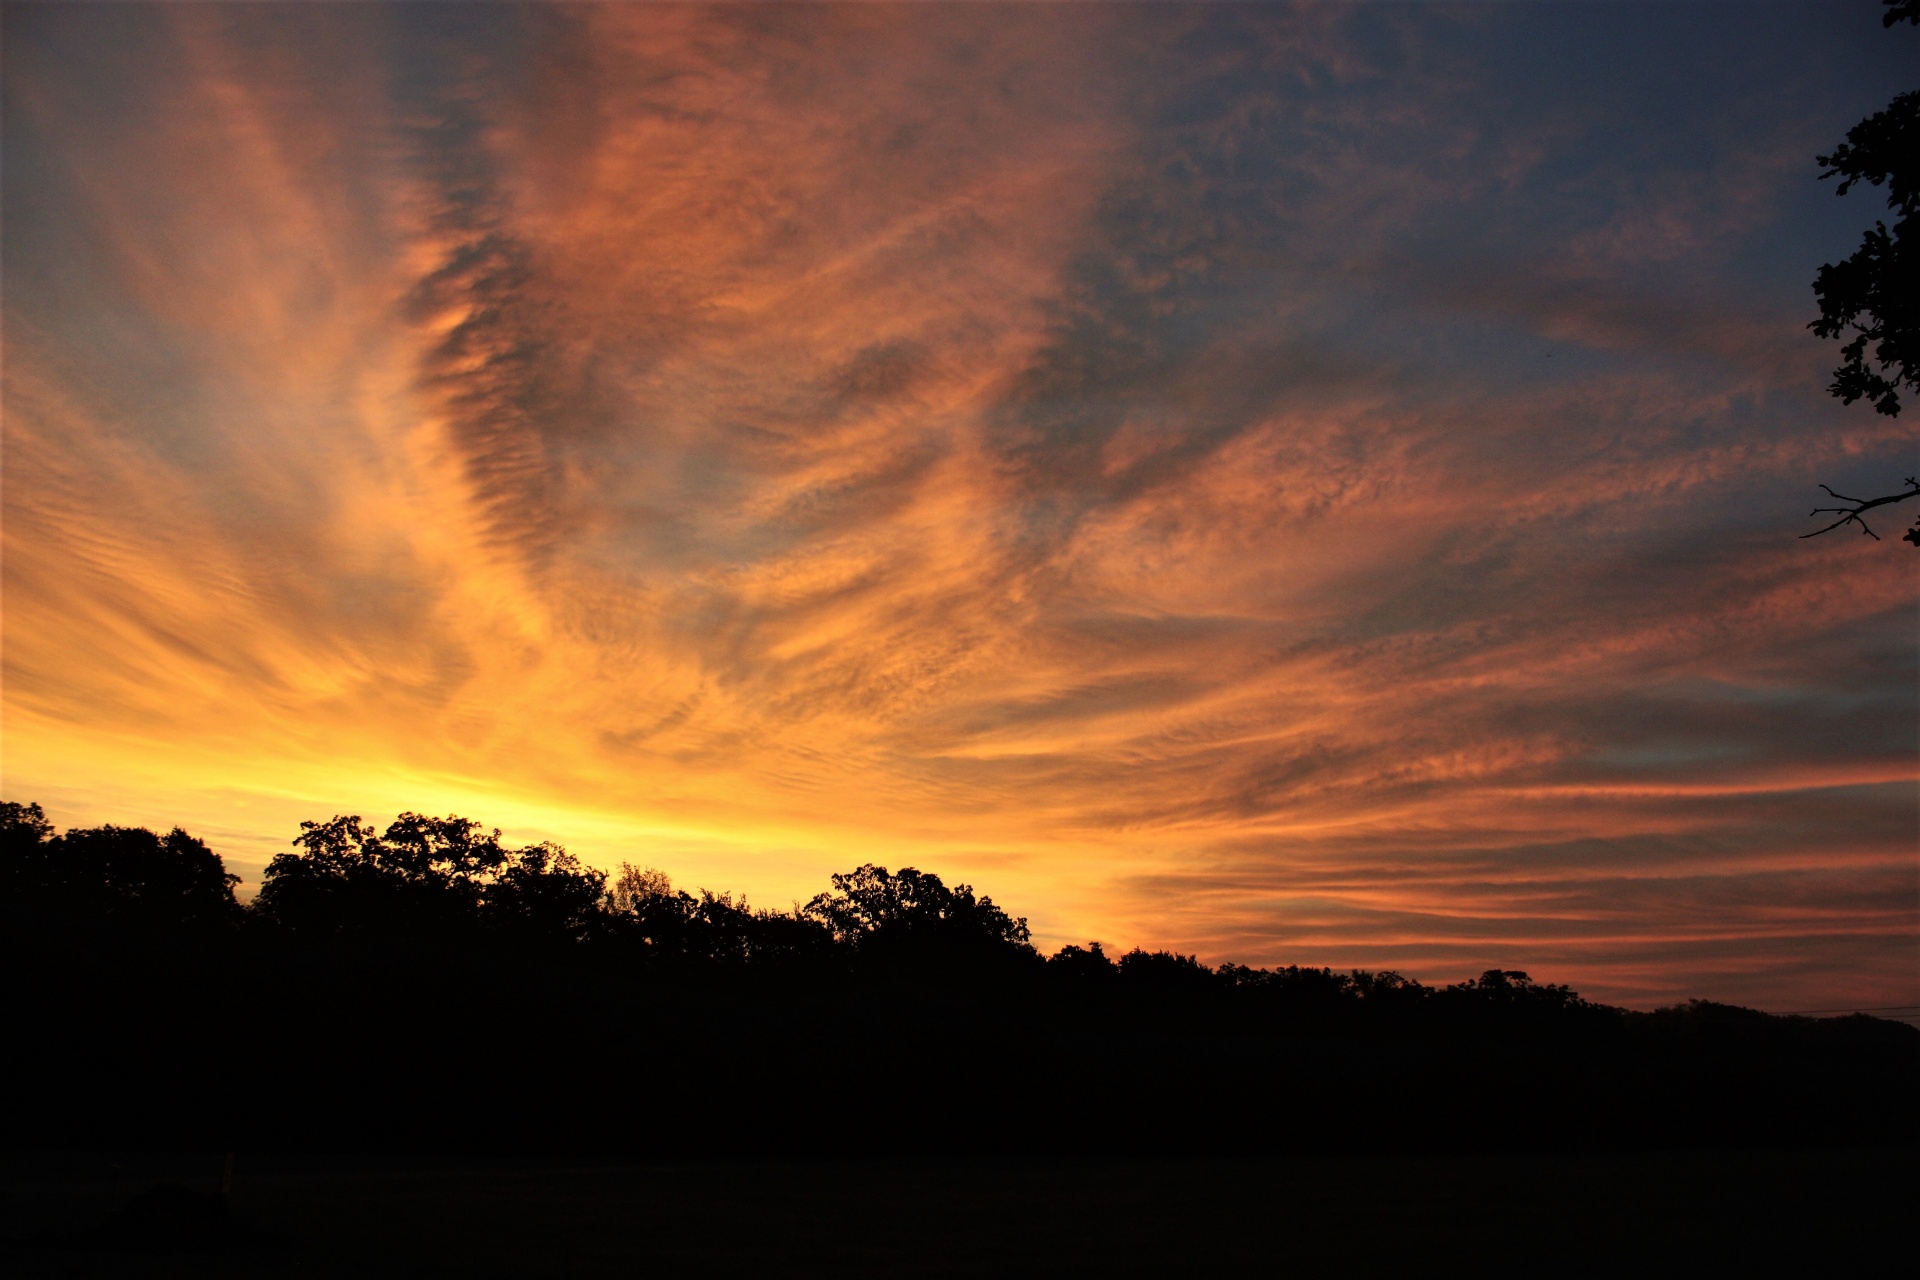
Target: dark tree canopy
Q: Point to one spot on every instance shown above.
(913, 914)
(428, 986)
(1871, 295)
(23, 829)
(425, 877)
(1870, 299)
(128, 874)
(677, 929)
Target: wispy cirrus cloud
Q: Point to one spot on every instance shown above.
(1297, 484)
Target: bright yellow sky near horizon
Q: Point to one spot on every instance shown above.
(1288, 485)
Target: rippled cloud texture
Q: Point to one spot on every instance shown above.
(1292, 484)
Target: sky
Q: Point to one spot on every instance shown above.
(1292, 484)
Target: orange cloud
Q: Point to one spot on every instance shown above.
(1110, 455)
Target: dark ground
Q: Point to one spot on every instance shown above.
(1830, 1212)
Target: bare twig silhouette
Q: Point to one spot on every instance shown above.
(1851, 515)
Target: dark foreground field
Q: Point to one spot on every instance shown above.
(1832, 1212)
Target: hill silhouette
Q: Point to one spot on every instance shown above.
(427, 986)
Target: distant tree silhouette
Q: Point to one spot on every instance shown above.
(1167, 973)
(709, 930)
(24, 833)
(912, 916)
(1508, 1001)
(1323, 998)
(427, 983)
(125, 873)
(426, 877)
(636, 887)
(1511, 987)
(347, 879)
(1083, 966)
(542, 891)
(1874, 295)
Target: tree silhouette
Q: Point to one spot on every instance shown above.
(912, 918)
(428, 983)
(1087, 967)
(542, 891)
(425, 877)
(1167, 973)
(1874, 296)
(348, 879)
(128, 874)
(709, 930)
(24, 833)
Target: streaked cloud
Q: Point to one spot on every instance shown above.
(1304, 484)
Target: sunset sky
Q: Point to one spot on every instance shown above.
(1291, 484)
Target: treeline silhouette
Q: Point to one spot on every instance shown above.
(427, 985)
